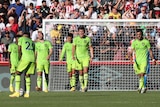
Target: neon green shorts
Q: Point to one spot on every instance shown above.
(26, 65)
(139, 68)
(70, 66)
(82, 62)
(13, 69)
(43, 67)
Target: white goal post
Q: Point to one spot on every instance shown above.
(110, 69)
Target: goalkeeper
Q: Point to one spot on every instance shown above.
(141, 47)
(67, 48)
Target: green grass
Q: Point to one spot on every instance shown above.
(79, 99)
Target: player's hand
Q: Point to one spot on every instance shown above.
(91, 59)
(73, 58)
(48, 57)
(131, 60)
(154, 62)
(60, 61)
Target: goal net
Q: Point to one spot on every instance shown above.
(111, 68)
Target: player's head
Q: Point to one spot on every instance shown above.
(40, 35)
(139, 34)
(69, 37)
(81, 31)
(26, 34)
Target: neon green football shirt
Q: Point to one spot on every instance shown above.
(14, 55)
(141, 50)
(42, 49)
(67, 48)
(82, 46)
(27, 48)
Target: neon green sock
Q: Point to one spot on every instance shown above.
(141, 82)
(70, 80)
(85, 79)
(73, 80)
(81, 81)
(28, 84)
(17, 83)
(46, 84)
(39, 81)
(12, 79)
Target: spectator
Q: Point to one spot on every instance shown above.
(3, 11)
(6, 40)
(44, 9)
(24, 22)
(69, 7)
(35, 34)
(2, 24)
(12, 13)
(37, 13)
(128, 15)
(154, 11)
(114, 14)
(76, 14)
(30, 9)
(104, 13)
(141, 3)
(55, 7)
(90, 13)
(63, 14)
(79, 6)
(9, 29)
(18, 7)
(14, 25)
(143, 14)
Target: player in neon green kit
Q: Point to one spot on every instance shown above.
(43, 52)
(13, 61)
(26, 63)
(81, 44)
(67, 48)
(141, 47)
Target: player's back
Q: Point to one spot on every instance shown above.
(27, 49)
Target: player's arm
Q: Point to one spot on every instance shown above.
(130, 54)
(152, 56)
(91, 52)
(74, 48)
(151, 53)
(19, 51)
(50, 53)
(50, 47)
(73, 51)
(9, 53)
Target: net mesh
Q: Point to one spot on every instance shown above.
(110, 69)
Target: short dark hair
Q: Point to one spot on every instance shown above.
(27, 33)
(16, 0)
(140, 30)
(70, 35)
(81, 28)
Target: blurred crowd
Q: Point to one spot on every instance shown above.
(19, 16)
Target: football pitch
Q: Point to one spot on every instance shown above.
(79, 99)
